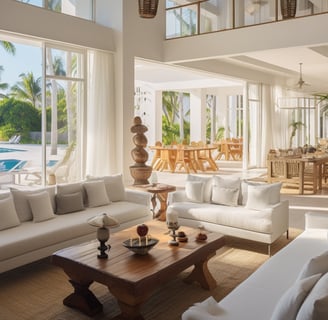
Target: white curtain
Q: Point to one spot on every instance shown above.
(100, 115)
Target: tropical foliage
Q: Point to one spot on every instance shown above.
(175, 125)
(18, 117)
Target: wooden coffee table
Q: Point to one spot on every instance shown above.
(132, 278)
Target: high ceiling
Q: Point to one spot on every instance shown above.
(281, 64)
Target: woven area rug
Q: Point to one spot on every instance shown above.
(36, 291)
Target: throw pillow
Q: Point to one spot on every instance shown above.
(114, 186)
(290, 302)
(260, 196)
(22, 205)
(69, 188)
(226, 190)
(96, 193)
(207, 185)
(313, 306)
(195, 191)
(225, 196)
(67, 203)
(8, 215)
(41, 206)
(318, 264)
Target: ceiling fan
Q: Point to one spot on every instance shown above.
(301, 82)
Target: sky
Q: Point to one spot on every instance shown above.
(27, 59)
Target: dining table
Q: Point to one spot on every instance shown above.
(190, 158)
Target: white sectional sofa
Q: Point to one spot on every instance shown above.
(292, 284)
(233, 207)
(36, 223)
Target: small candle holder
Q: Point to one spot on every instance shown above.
(173, 224)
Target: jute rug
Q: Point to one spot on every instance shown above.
(36, 291)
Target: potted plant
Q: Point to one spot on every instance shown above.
(295, 125)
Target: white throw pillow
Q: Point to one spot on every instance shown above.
(114, 186)
(290, 302)
(96, 193)
(318, 264)
(313, 306)
(207, 185)
(41, 206)
(225, 196)
(195, 191)
(260, 196)
(226, 190)
(22, 205)
(8, 215)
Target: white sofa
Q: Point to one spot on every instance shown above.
(285, 287)
(233, 207)
(36, 223)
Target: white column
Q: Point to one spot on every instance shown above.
(197, 115)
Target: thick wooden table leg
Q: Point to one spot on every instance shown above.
(83, 299)
(161, 214)
(202, 275)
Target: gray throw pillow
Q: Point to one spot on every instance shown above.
(67, 203)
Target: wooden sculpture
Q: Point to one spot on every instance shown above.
(139, 171)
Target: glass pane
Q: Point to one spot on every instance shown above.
(63, 103)
(215, 15)
(254, 12)
(181, 22)
(171, 4)
(76, 8)
(37, 3)
(64, 63)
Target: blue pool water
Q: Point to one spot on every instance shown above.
(3, 150)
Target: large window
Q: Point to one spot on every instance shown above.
(41, 107)
(77, 8)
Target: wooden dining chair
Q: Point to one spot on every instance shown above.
(185, 159)
(156, 156)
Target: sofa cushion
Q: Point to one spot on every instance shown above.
(313, 306)
(195, 191)
(238, 217)
(71, 188)
(260, 196)
(96, 193)
(41, 207)
(207, 185)
(22, 205)
(290, 302)
(114, 186)
(8, 215)
(64, 228)
(70, 202)
(318, 264)
(226, 190)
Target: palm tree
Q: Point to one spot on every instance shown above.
(10, 48)
(29, 89)
(3, 85)
(295, 125)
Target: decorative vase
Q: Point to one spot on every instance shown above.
(288, 8)
(139, 171)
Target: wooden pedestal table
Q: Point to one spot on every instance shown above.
(131, 278)
(159, 192)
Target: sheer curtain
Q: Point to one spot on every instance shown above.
(100, 115)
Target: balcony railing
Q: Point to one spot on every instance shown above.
(189, 18)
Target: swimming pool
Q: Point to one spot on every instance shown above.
(4, 150)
